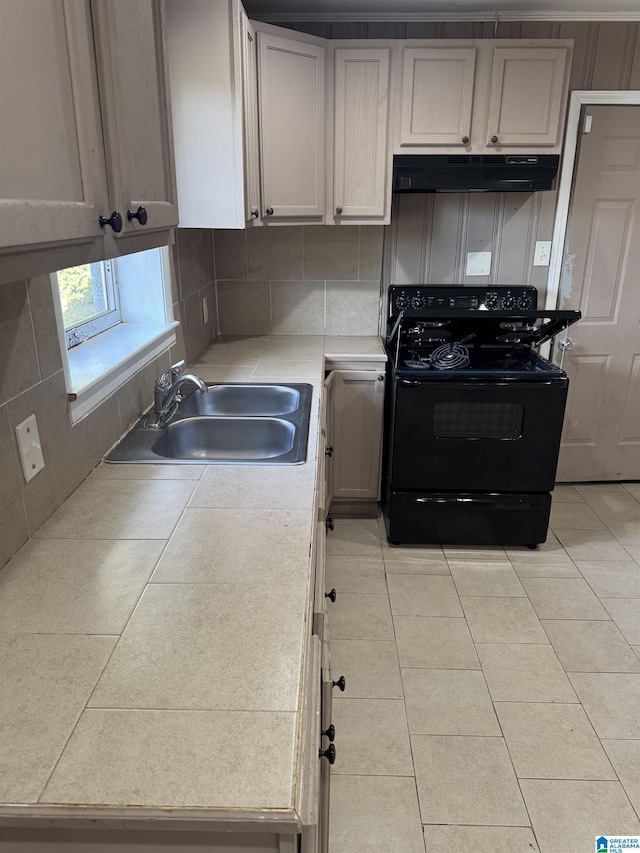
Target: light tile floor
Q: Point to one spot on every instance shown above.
(493, 694)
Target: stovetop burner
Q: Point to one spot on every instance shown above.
(455, 332)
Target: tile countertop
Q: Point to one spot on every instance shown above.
(153, 631)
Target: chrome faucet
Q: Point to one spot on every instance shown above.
(167, 394)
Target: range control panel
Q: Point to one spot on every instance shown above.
(496, 298)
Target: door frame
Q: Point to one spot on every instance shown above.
(561, 222)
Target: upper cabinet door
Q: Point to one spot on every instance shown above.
(361, 110)
(250, 108)
(129, 36)
(52, 178)
(527, 97)
(291, 89)
(437, 95)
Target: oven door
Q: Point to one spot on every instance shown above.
(484, 436)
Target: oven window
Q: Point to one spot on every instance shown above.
(478, 420)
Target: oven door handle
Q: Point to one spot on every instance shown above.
(449, 382)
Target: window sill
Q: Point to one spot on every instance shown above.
(101, 365)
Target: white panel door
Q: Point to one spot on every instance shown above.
(601, 278)
(52, 172)
(527, 96)
(437, 95)
(134, 98)
(361, 114)
(291, 100)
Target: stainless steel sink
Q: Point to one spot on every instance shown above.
(268, 400)
(231, 424)
(226, 439)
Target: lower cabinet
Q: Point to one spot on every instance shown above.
(355, 441)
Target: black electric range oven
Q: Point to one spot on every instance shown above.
(473, 415)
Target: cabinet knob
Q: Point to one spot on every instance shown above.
(329, 450)
(329, 753)
(381, 377)
(115, 221)
(140, 215)
(465, 140)
(338, 211)
(494, 139)
(332, 595)
(340, 684)
(330, 733)
(329, 522)
(269, 211)
(255, 212)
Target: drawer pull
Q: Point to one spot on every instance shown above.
(329, 450)
(340, 683)
(465, 140)
(494, 139)
(329, 522)
(332, 595)
(329, 753)
(330, 733)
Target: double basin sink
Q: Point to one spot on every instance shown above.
(232, 423)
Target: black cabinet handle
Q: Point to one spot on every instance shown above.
(140, 215)
(329, 753)
(340, 683)
(329, 450)
(269, 211)
(338, 211)
(332, 595)
(329, 522)
(465, 140)
(330, 733)
(115, 221)
(494, 139)
(255, 212)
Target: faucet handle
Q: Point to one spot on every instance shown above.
(176, 369)
(166, 379)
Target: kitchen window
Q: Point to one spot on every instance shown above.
(89, 301)
(114, 317)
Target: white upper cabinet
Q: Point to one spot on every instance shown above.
(52, 174)
(482, 96)
(68, 158)
(527, 96)
(250, 108)
(437, 95)
(291, 102)
(129, 38)
(361, 123)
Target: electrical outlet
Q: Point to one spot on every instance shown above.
(205, 310)
(478, 263)
(29, 447)
(542, 253)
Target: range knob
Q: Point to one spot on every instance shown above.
(418, 302)
(523, 301)
(491, 301)
(508, 301)
(401, 302)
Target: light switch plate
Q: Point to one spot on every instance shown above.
(478, 263)
(542, 253)
(29, 447)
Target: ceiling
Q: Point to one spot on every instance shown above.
(424, 10)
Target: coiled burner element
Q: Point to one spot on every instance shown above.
(450, 357)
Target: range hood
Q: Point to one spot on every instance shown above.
(425, 173)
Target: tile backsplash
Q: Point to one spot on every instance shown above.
(293, 280)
